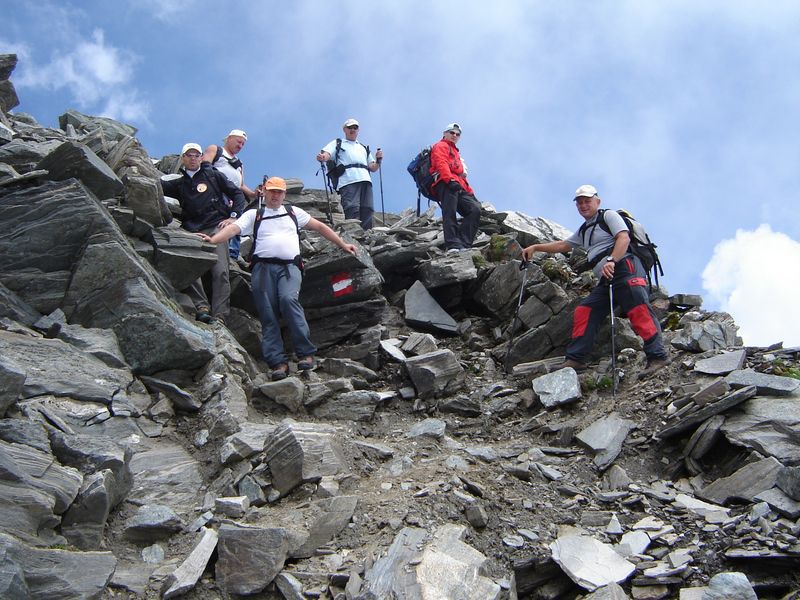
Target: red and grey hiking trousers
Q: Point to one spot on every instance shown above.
(630, 294)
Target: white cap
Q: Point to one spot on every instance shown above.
(453, 127)
(191, 146)
(585, 190)
(350, 123)
(238, 132)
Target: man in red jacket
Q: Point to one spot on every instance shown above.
(453, 192)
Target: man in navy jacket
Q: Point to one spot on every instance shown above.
(201, 192)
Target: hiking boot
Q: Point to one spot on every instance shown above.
(451, 251)
(306, 363)
(203, 316)
(654, 365)
(568, 362)
(280, 372)
(220, 320)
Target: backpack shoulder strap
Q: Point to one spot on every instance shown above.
(217, 155)
(259, 218)
(290, 212)
(338, 150)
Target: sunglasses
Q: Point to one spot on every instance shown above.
(353, 127)
(192, 155)
(455, 133)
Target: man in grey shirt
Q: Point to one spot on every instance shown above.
(608, 252)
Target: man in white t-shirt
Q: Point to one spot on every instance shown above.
(226, 160)
(356, 162)
(276, 275)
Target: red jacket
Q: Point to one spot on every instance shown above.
(446, 161)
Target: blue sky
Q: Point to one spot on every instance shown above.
(683, 112)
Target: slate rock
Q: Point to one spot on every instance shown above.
(59, 573)
(766, 384)
(461, 405)
(729, 586)
(450, 568)
(745, 483)
(249, 440)
(419, 343)
(57, 368)
(300, 452)
(181, 256)
(176, 487)
(557, 388)
(287, 392)
(767, 425)
(249, 558)
(332, 324)
(152, 522)
(447, 270)
(14, 307)
(499, 292)
(151, 335)
(432, 428)
(73, 159)
(721, 364)
(112, 130)
(531, 230)
(12, 382)
(421, 310)
(84, 522)
(780, 502)
(704, 336)
(588, 562)
(789, 481)
(357, 405)
(186, 576)
(333, 277)
(331, 516)
(605, 438)
(435, 374)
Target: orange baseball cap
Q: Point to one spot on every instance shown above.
(275, 183)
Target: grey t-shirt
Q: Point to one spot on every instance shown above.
(596, 240)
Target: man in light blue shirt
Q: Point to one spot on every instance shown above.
(354, 163)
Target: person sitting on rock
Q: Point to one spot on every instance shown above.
(201, 192)
(276, 274)
(609, 255)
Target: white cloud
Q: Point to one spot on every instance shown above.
(97, 75)
(756, 278)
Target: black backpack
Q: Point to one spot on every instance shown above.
(641, 245)
(420, 170)
(335, 171)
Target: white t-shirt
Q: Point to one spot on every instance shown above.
(223, 166)
(352, 153)
(277, 237)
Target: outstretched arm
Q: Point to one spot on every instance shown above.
(549, 247)
(223, 235)
(330, 235)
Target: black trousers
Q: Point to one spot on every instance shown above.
(465, 204)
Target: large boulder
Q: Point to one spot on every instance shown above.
(74, 160)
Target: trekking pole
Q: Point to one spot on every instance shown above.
(260, 196)
(523, 266)
(325, 187)
(380, 178)
(615, 378)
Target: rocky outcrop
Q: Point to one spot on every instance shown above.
(435, 451)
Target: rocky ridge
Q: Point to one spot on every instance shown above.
(145, 455)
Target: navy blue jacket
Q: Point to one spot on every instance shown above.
(202, 197)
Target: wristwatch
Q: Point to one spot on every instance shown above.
(610, 259)
(234, 215)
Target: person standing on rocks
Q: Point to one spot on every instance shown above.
(226, 160)
(201, 191)
(355, 162)
(453, 192)
(277, 275)
(608, 254)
